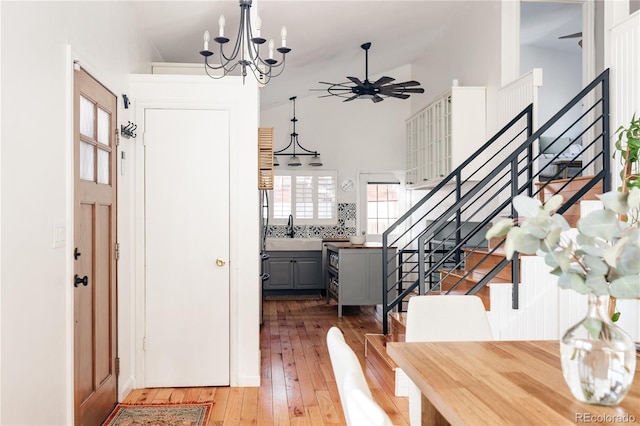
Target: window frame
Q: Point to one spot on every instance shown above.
(388, 177)
(315, 174)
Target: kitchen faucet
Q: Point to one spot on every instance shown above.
(290, 232)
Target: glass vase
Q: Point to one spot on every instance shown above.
(598, 358)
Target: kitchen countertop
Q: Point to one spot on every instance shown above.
(348, 245)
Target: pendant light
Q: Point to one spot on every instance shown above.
(294, 157)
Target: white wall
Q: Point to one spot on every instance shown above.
(351, 136)
(36, 293)
(468, 51)
(562, 81)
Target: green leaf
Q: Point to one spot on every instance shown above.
(596, 265)
(535, 228)
(500, 229)
(563, 257)
(598, 284)
(630, 260)
(634, 197)
(553, 237)
(627, 287)
(600, 223)
(594, 326)
(616, 201)
(612, 254)
(550, 259)
(526, 206)
(553, 204)
(521, 241)
(583, 240)
(615, 317)
(574, 282)
(591, 250)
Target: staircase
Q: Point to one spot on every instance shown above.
(446, 253)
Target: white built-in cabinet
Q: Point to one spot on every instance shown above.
(443, 134)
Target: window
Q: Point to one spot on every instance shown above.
(383, 206)
(310, 196)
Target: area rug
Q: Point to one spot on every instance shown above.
(159, 415)
(293, 297)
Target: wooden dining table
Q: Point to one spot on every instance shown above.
(501, 383)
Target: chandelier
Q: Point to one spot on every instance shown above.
(294, 159)
(246, 50)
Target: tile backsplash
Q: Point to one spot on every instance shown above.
(346, 216)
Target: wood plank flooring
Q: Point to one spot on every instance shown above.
(297, 385)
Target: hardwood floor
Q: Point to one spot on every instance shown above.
(297, 385)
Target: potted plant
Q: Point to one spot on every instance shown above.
(628, 143)
(601, 260)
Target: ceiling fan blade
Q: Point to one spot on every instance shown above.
(351, 98)
(382, 80)
(397, 95)
(574, 35)
(356, 81)
(402, 85)
(412, 90)
(377, 99)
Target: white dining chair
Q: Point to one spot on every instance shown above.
(451, 318)
(358, 405)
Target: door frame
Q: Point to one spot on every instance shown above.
(242, 102)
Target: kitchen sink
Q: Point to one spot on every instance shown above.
(281, 244)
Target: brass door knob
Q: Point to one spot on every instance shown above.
(220, 261)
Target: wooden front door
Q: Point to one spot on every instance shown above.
(95, 386)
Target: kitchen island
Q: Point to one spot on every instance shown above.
(353, 273)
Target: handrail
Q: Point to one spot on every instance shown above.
(468, 206)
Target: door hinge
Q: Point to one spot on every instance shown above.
(117, 366)
(144, 343)
(117, 138)
(117, 251)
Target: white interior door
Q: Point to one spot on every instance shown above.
(187, 247)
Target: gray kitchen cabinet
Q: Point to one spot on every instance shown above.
(293, 270)
(354, 273)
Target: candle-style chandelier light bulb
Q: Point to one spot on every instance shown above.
(246, 50)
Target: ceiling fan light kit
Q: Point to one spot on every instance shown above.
(246, 50)
(376, 91)
(294, 159)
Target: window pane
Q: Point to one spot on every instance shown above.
(304, 197)
(382, 206)
(87, 158)
(103, 127)
(86, 117)
(281, 197)
(103, 166)
(327, 187)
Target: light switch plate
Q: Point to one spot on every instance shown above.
(350, 223)
(59, 234)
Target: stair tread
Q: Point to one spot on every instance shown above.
(378, 344)
(474, 276)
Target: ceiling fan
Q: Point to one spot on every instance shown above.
(376, 91)
(574, 35)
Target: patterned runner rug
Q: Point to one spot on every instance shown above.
(159, 415)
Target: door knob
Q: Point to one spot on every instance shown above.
(77, 281)
(220, 261)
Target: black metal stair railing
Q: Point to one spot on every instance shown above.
(435, 239)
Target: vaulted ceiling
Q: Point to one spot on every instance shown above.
(325, 36)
